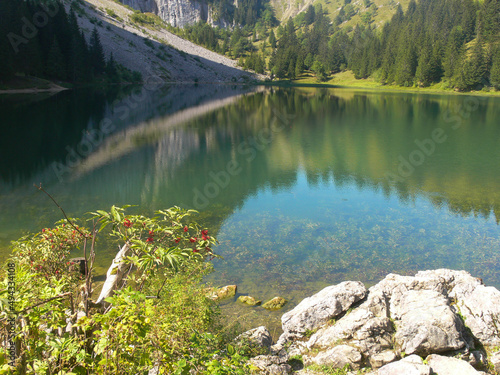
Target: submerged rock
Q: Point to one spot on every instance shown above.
(247, 300)
(275, 304)
(224, 292)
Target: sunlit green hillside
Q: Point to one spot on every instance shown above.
(356, 12)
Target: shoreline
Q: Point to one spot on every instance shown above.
(354, 86)
(33, 90)
(30, 85)
(346, 80)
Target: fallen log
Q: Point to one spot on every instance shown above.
(115, 274)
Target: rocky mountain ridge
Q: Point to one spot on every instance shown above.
(177, 13)
(159, 55)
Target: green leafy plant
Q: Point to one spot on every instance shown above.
(112, 13)
(310, 332)
(155, 314)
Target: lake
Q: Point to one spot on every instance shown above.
(303, 187)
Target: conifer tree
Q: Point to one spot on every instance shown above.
(56, 66)
(406, 61)
(468, 21)
(272, 39)
(309, 60)
(76, 65)
(425, 73)
(259, 65)
(291, 69)
(489, 19)
(299, 67)
(30, 59)
(495, 70)
(310, 15)
(111, 70)
(454, 50)
(319, 71)
(97, 59)
(436, 68)
(6, 55)
(473, 71)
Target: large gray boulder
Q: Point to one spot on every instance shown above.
(271, 365)
(382, 358)
(336, 357)
(422, 314)
(315, 311)
(449, 366)
(412, 365)
(495, 361)
(480, 307)
(367, 327)
(361, 328)
(426, 323)
(478, 304)
(394, 286)
(258, 339)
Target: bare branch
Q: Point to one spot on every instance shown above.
(64, 213)
(45, 301)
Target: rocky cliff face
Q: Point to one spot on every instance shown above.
(145, 6)
(178, 13)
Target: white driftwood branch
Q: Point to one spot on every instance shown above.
(115, 274)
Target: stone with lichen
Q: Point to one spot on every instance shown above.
(223, 293)
(248, 300)
(275, 304)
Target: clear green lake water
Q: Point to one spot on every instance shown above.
(303, 187)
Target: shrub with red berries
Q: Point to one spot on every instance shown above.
(48, 253)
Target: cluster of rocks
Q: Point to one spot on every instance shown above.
(230, 291)
(436, 322)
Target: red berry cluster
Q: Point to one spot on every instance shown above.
(46, 253)
(151, 235)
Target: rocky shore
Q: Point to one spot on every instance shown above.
(437, 322)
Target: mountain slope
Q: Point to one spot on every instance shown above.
(150, 49)
(374, 12)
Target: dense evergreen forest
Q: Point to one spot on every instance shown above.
(453, 42)
(40, 39)
(456, 42)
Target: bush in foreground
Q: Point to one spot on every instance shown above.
(152, 310)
